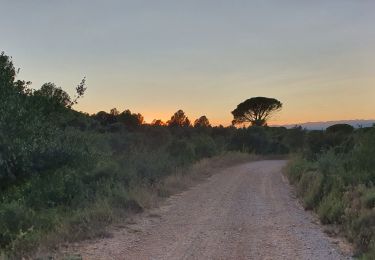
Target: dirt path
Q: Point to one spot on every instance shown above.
(243, 212)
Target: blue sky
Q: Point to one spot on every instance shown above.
(205, 57)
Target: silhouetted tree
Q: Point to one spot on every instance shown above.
(130, 120)
(7, 70)
(340, 128)
(104, 118)
(8, 82)
(179, 119)
(114, 112)
(202, 122)
(158, 122)
(80, 91)
(54, 94)
(340, 137)
(58, 96)
(32, 136)
(256, 111)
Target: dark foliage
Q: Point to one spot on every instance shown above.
(255, 110)
(202, 122)
(335, 176)
(55, 162)
(179, 119)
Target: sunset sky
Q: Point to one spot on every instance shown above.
(203, 56)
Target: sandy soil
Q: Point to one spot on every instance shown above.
(242, 212)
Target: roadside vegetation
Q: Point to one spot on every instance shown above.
(335, 176)
(65, 175)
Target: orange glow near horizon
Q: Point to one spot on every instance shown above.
(303, 101)
(204, 57)
(276, 120)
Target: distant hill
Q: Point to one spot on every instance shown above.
(323, 125)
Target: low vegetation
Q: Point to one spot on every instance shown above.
(335, 177)
(64, 175)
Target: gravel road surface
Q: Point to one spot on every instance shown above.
(243, 212)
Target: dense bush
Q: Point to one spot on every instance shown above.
(260, 140)
(335, 176)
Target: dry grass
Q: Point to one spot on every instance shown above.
(150, 196)
(145, 196)
(183, 179)
(93, 222)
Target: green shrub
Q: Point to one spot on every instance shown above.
(204, 146)
(370, 252)
(87, 222)
(363, 160)
(310, 188)
(330, 163)
(368, 199)
(362, 230)
(344, 192)
(296, 168)
(16, 220)
(181, 151)
(331, 209)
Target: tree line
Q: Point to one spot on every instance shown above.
(135, 120)
(66, 172)
(255, 111)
